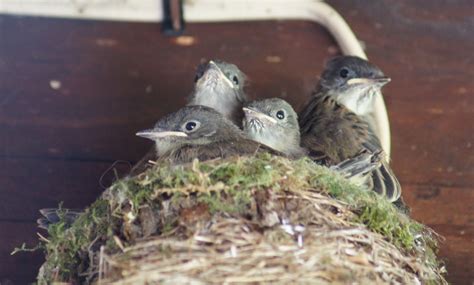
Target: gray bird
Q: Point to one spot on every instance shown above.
(220, 85)
(274, 123)
(333, 133)
(191, 132)
(354, 83)
(198, 132)
(203, 133)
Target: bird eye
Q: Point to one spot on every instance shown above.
(236, 80)
(191, 126)
(344, 72)
(280, 114)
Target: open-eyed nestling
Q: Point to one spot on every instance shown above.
(180, 137)
(332, 132)
(354, 83)
(274, 123)
(198, 132)
(220, 85)
(203, 133)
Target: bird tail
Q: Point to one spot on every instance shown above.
(402, 206)
(385, 183)
(56, 215)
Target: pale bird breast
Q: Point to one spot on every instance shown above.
(224, 103)
(358, 100)
(163, 147)
(274, 139)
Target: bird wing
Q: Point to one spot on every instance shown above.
(384, 180)
(220, 149)
(330, 132)
(359, 166)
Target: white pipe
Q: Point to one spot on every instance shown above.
(210, 11)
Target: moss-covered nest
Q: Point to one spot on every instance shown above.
(261, 219)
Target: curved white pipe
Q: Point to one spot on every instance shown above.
(211, 11)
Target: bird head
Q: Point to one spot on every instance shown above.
(191, 125)
(219, 85)
(274, 123)
(352, 81)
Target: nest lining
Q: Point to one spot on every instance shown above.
(262, 219)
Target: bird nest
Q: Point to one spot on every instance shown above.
(262, 219)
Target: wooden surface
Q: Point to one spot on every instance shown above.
(117, 78)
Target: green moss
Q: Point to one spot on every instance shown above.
(225, 186)
(374, 211)
(67, 243)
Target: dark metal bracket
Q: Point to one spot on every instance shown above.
(173, 20)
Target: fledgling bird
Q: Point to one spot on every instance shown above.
(198, 132)
(191, 132)
(220, 85)
(274, 123)
(203, 133)
(333, 133)
(354, 83)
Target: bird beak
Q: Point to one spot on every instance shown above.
(369, 81)
(253, 114)
(155, 134)
(214, 67)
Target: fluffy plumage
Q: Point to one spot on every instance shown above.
(354, 83)
(218, 85)
(332, 133)
(199, 132)
(274, 123)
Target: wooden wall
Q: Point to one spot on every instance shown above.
(117, 78)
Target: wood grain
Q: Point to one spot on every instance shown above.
(118, 78)
(142, 78)
(456, 252)
(438, 205)
(31, 184)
